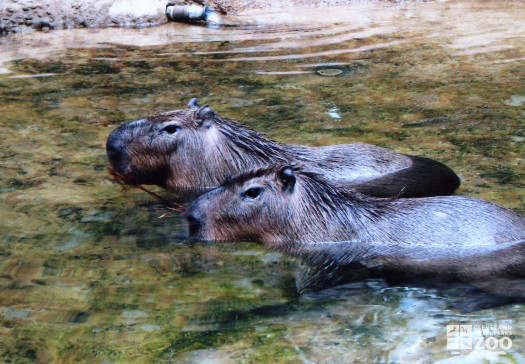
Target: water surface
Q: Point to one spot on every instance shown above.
(90, 273)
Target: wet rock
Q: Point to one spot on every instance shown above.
(77, 317)
(435, 120)
(133, 316)
(150, 327)
(14, 314)
(102, 218)
(329, 72)
(67, 246)
(516, 100)
(246, 252)
(335, 71)
(271, 258)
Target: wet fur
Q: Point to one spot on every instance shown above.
(453, 237)
(211, 147)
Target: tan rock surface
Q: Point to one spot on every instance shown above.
(18, 16)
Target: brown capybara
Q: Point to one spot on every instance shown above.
(194, 149)
(300, 212)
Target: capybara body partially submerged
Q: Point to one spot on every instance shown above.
(299, 212)
(195, 149)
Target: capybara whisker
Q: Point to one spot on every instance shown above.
(124, 181)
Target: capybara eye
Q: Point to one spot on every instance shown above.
(170, 129)
(252, 192)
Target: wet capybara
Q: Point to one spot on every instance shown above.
(194, 149)
(300, 212)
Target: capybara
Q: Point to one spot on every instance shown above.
(194, 149)
(300, 212)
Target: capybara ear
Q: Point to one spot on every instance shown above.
(287, 178)
(194, 103)
(205, 116)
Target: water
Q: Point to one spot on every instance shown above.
(90, 273)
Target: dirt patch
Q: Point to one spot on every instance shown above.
(26, 15)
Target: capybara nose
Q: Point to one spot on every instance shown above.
(115, 152)
(194, 224)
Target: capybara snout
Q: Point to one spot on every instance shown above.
(116, 152)
(195, 217)
(194, 225)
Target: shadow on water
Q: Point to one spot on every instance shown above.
(92, 274)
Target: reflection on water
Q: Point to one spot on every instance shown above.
(89, 273)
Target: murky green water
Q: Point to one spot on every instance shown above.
(89, 273)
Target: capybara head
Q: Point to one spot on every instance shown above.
(144, 150)
(190, 148)
(272, 205)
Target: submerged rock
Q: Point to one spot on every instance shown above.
(329, 72)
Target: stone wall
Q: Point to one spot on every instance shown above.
(25, 15)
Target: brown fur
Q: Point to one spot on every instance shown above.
(292, 209)
(194, 149)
